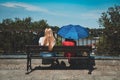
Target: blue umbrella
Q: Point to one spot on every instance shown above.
(73, 32)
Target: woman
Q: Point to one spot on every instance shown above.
(69, 42)
(48, 39)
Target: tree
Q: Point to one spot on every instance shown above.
(14, 34)
(110, 20)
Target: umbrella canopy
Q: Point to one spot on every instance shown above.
(73, 32)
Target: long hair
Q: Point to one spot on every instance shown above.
(49, 39)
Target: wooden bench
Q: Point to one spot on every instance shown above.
(32, 51)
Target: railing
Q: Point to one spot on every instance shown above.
(13, 42)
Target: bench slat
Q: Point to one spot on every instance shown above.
(36, 48)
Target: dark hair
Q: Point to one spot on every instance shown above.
(69, 39)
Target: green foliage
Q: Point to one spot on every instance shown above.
(58, 41)
(15, 34)
(110, 20)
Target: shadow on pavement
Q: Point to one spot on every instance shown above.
(62, 66)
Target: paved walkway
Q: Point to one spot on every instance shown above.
(15, 69)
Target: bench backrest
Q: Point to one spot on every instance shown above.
(77, 49)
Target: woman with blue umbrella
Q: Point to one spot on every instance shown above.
(71, 33)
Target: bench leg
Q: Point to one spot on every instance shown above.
(28, 63)
(30, 66)
(90, 66)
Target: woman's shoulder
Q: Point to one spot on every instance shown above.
(41, 38)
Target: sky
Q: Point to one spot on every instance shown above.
(57, 12)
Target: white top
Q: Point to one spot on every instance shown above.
(41, 41)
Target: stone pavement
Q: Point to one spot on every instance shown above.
(15, 69)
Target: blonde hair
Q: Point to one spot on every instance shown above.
(49, 39)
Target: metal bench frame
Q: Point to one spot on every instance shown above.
(76, 49)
